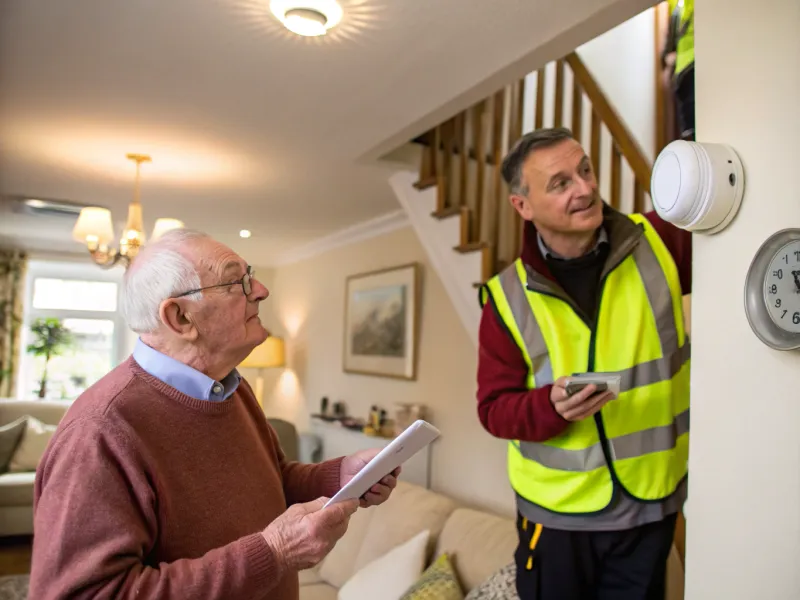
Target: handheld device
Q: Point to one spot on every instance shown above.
(603, 381)
(418, 435)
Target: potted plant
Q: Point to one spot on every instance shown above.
(51, 338)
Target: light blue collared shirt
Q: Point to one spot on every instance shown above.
(184, 378)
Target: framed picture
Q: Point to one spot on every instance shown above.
(380, 322)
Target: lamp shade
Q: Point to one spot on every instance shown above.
(163, 225)
(266, 355)
(94, 225)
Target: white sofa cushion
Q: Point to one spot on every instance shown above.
(10, 434)
(389, 576)
(31, 446)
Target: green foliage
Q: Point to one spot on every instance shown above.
(51, 338)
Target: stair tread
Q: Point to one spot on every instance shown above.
(472, 247)
(447, 212)
(428, 182)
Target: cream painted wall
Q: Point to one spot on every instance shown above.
(622, 61)
(743, 515)
(307, 300)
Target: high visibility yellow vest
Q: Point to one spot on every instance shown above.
(641, 438)
(684, 52)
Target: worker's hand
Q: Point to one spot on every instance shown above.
(305, 534)
(580, 405)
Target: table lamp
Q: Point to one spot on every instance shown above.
(266, 355)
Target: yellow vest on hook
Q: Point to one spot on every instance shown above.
(641, 438)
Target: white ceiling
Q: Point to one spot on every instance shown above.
(249, 126)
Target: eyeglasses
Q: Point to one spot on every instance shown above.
(246, 282)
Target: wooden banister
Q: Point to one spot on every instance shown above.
(462, 156)
(627, 145)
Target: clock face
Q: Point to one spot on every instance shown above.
(782, 287)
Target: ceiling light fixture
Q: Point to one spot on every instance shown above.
(307, 17)
(95, 228)
(245, 233)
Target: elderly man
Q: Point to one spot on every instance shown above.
(598, 480)
(164, 479)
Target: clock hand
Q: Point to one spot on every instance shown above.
(796, 275)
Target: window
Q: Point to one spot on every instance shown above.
(85, 300)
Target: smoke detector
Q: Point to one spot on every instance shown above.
(307, 17)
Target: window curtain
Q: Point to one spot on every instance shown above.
(13, 264)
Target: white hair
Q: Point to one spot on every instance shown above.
(160, 271)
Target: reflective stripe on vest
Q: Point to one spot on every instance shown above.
(655, 390)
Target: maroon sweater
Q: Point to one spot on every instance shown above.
(145, 492)
(506, 408)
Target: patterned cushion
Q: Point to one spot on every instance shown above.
(438, 582)
(500, 586)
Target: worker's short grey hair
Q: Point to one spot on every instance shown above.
(527, 144)
(160, 271)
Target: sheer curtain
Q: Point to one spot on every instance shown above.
(12, 281)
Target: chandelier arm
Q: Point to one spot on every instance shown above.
(107, 258)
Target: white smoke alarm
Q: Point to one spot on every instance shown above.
(697, 186)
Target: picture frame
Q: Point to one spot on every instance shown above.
(381, 317)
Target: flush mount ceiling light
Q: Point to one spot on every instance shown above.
(307, 17)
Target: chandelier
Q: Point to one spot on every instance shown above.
(95, 228)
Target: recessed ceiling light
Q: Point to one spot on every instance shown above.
(307, 17)
(245, 233)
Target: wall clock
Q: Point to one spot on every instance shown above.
(772, 291)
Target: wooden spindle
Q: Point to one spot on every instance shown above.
(463, 163)
(465, 228)
(616, 179)
(638, 197)
(519, 110)
(595, 143)
(480, 160)
(577, 110)
(559, 107)
(447, 167)
(497, 159)
(541, 78)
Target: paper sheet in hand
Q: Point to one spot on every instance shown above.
(399, 450)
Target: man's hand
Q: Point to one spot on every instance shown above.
(378, 493)
(306, 533)
(580, 405)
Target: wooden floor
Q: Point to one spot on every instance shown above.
(15, 555)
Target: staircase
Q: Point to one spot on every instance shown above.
(457, 201)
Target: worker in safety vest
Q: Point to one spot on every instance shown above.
(677, 62)
(598, 480)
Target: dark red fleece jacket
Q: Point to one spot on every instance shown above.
(506, 408)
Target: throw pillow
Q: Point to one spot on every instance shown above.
(438, 582)
(10, 435)
(31, 446)
(388, 577)
(500, 586)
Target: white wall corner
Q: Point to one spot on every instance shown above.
(350, 235)
(458, 272)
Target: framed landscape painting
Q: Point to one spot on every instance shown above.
(380, 322)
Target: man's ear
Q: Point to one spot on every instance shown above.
(522, 206)
(177, 319)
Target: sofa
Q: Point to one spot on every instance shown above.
(479, 545)
(16, 486)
